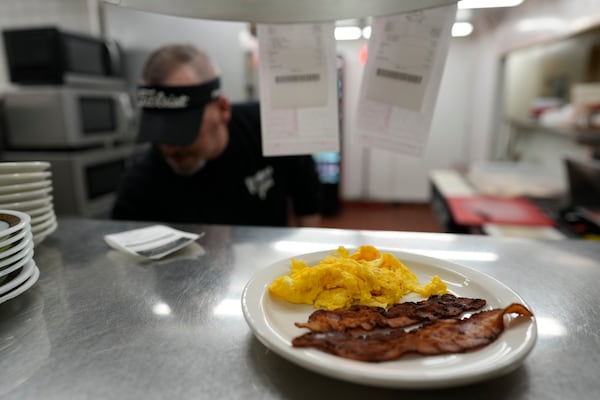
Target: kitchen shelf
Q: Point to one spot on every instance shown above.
(582, 136)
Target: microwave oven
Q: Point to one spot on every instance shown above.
(84, 182)
(59, 117)
(48, 55)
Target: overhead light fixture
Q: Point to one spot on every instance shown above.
(462, 4)
(279, 11)
(348, 33)
(542, 24)
(460, 29)
(366, 32)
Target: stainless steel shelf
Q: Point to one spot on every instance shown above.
(279, 11)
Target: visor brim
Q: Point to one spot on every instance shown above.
(178, 127)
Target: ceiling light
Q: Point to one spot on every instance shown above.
(460, 29)
(348, 33)
(488, 3)
(541, 24)
(366, 32)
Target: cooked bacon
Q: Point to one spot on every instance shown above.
(439, 337)
(398, 316)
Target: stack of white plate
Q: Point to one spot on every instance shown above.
(27, 187)
(18, 271)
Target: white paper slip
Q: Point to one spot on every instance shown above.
(407, 53)
(298, 88)
(153, 242)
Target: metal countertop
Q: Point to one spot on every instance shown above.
(101, 325)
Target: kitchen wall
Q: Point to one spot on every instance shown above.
(140, 32)
(533, 22)
(466, 120)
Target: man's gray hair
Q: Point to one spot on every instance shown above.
(165, 60)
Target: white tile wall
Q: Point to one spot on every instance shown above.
(72, 15)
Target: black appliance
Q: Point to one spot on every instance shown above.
(48, 55)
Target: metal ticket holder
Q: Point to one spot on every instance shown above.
(279, 11)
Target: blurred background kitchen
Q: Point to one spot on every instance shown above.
(520, 95)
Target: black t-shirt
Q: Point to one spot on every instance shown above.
(241, 187)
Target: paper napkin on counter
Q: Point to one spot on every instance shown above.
(153, 242)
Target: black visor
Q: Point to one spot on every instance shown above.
(172, 114)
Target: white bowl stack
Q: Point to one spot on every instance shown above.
(27, 187)
(18, 271)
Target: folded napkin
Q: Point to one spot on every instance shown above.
(153, 242)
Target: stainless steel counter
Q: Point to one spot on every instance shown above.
(99, 325)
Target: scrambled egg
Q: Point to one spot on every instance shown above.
(366, 277)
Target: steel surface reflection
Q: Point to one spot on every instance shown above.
(161, 309)
(485, 256)
(305, 247)
(310, 247)
(228, 308)
(441, 237)
(550, 327)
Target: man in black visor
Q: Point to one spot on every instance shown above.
(205, 164)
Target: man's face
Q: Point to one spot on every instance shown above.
(212, 137)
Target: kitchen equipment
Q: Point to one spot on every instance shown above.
(59, 117)
(26, 187)
(84, 182)
(48, 55)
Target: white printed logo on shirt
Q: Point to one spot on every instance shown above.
(260, 183)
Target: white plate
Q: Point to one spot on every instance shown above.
(35, 229)
(26, 281)
(25, 273)
(38, 219)
(272, 321)
(37, 239)
(20, 187)
(26, 205)
(16, 252)
(11, 240)
(25, 195)
(25, 166)
(12, 221)
(12, 179)
(34, 212)
(15, 266)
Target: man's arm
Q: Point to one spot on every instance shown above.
(134, 200)
(313, 220)
(305, 190)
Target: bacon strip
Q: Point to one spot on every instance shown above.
(439, 337)
(398, 316)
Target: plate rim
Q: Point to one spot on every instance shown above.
(26, 194)
(12, 238)
(40, 218)
(26, 272)
(19, 250)
(27, 166)
(312, 359)
(26, 177)
(36, 212)
(24, 286)
(28, 204)
(43, 226)
(8, 269)
(19, 187)
(25, 219)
